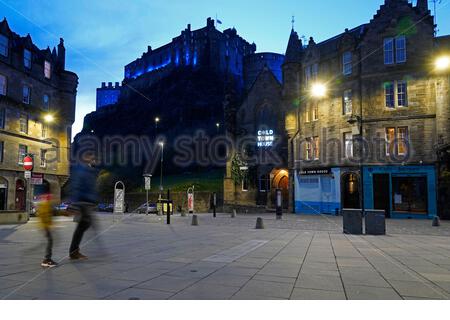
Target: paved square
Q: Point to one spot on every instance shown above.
(300, 257)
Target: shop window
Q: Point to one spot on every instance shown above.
(410, 194)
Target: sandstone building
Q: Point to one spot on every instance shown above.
(37, 110)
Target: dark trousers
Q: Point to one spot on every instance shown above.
(48, 250)
(84, 223)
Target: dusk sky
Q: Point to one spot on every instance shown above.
(102, 36)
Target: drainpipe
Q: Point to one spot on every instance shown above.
(360, 122)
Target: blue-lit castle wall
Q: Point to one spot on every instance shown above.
(224, 52)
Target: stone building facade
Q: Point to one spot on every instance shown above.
(366, 110)
(37, 110)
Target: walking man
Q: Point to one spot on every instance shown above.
(84, 197)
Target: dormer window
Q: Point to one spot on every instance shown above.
(47, 69)
(27, 58)
(4, 43)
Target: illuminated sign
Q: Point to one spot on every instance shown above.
(265, 138)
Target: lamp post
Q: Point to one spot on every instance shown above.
(161, 173)
(356, 119)
(157, 120)
(218, 126)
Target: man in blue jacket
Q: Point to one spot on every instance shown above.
(84, 196)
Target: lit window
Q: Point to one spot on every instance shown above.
(46, 102)
(3, 84)
(402, 94)
(348, 103)
(390, 140)
(44, 131)
(316, 141)
(2, 118)
(347, 63)
(389, 91)
(23, 151)
(43, 158)
(309, 151)
(23, 123)
(26, 93)
(315, 71)
(4, 41)
(389, 51)
(307, 115)
(400, 49)
(403, 140)
(47, 70)
(348, 143)
(315, 113)
(27, 58)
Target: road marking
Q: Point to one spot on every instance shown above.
(237, 252)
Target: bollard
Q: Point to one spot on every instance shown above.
(436, 222)
(259, 224)
(194, 220)
(233, 214)
(214, 204)
(279, 209)
(168, 213)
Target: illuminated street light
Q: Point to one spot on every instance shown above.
(442, 63)
(156, 122)
(318, 90)
(49, 118)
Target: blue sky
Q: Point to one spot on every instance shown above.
(102, 36)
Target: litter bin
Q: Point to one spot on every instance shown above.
(375, 222)
(352, 221)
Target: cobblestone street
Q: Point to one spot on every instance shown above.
(301, 257)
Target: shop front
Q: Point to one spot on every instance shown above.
(402, 191)
(317, 191)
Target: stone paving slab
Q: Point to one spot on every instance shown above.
(300, 257)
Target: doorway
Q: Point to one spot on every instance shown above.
(281, 181)
(381, 193)
(21, 195)
(3, 193)
(350, 194)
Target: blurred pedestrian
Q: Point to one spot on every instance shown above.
(84, 197)
(44, 211)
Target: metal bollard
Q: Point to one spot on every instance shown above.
(214, 204)
(168, 206)
(436, 222)
(279, 205)
(259, 224)
(233, 214)
(194, 220)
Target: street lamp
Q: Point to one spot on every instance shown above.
(318, 90)
(442, 63)
(357, 119)
(49, 118)
(218, 127)
(156, 122)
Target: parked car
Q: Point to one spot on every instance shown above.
(105, 207)
(152, 208)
